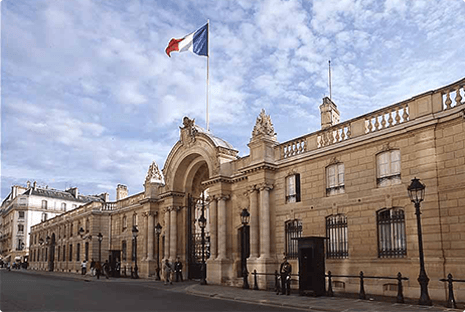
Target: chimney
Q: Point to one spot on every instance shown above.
(28, 184)
(74, 191)
(121, 191)
(34, 185)
(105, 197)
(329, 114)
(14, 191)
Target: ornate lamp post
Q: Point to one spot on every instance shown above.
(100, 239)
(158, 232)
(134, 237)
(416, 192)
(245, 215)
(203, 224)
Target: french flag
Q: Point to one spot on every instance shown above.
(196, 42)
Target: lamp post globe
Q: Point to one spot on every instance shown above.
(158, 232)
(245, 217)
(134, 236)
(416, 192)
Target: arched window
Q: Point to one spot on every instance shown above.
(293, 229)
(391, 233)
(337, 246)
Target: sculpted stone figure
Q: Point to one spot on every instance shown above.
(263, 125)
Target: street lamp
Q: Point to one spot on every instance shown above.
(100, 238)
(416, 192)
(203, 224)
(245, 215)
(134, 237)
(158, 232)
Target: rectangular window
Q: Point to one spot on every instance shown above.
(391, 233)
(388, 168)
(293, 229)
(78, 252)
(293, 188)
(124, 223)
(71, 230)
(20, 228)
(337, 246)
(71, 252)
(21, 214)
(335, 179)
(44, 204)
(123, 250)
(64, 252)
(58, 255)
(63, 206)
(44, 217)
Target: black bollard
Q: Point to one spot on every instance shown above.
(330, 285)
(362, 295)
(400, 295)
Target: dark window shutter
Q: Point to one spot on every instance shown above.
(297, 187)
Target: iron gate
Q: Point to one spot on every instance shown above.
(194, 241)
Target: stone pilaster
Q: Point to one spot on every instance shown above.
(254, 224)
(173, 233)
(213, 228)
(222, 227)
(150, 233)
(265, 233)
(167, 234)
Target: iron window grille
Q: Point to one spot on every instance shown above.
(293, 230)
(391, 233)
(337, 246)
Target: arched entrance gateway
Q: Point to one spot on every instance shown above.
(190, 190)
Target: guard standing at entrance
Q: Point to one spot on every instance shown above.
(285, 271)
(178, 269)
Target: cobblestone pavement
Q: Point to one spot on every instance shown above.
(262, 297)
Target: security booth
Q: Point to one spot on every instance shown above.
(311, 265)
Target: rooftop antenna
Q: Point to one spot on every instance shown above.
(329, 65)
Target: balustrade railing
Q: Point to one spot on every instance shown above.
(109, 206)
(434, 101)
(387, 118)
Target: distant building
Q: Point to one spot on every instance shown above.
(346, 182)
(30, 205)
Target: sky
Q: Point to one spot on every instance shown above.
(89, 98)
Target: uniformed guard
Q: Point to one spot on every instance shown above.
(285, 271)
(178, 269)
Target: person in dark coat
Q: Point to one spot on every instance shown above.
(178, 269)
(285, 271)
(106, 269)
(98, 269)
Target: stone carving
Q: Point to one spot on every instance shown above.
(154, 175)
(263, 125)
(188, 131)
(333, 161)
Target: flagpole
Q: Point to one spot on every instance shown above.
(329, 63)
(208, 67)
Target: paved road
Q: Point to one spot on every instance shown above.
(23, 291)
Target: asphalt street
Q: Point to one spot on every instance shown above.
(22, 291)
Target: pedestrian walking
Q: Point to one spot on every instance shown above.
(285, 271)
(84, 267)
(178, 269)
(98, 269)
(167, 269)
(106, 269)
(92, 267)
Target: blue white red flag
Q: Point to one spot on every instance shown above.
(196, 42)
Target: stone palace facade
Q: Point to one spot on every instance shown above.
(346, 182)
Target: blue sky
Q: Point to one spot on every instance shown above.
(89, 97)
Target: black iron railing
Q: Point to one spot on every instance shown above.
(451, 300)
(362, 295)
(277, 279)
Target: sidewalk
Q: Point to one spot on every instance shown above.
(269, 298)
(302, 302)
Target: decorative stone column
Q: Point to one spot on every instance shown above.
(222, 227)
(167, 234)
(150, 233)
(213, 228)
(265, 233)
(254, 224)
(173, 232)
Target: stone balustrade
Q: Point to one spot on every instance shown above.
(109, 206)
(429, 103)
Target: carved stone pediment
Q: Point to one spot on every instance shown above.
(263, 126)
(154, 174)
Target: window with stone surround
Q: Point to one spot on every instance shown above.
(335, 179)
(44, 217)
(134, 219)
(44, 204)
(123, 250)
(21, 214)
(63, 206)
(64, 252)
(337, 246)
(293, 188)
(391, 233)
(71, 252)
(20, 228)
(78, 252)
(388, 168)
(124, 223)
(293, 229)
